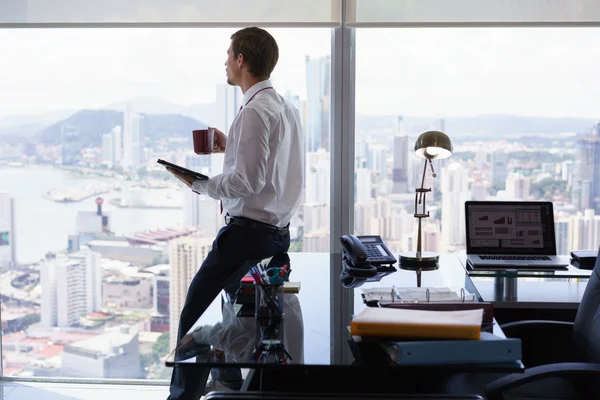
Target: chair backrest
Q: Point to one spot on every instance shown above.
(331, 396)
(586, 330)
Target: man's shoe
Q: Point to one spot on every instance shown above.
(222, 386)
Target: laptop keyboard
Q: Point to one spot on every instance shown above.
(517, 258)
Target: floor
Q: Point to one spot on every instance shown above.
(71, 391)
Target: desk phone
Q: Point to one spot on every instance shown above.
(367, 249)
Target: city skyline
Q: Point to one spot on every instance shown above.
(129, 258)
(515, 71)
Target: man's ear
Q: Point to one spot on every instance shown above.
(240, 60)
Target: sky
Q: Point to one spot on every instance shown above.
(550, 72)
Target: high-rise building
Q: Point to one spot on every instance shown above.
(8, 255)
(431, 236)
(317, 197)
(318, 87)
(117, 142)
(107, 150)
(455, 192)
(584, 231)
(316, 242)
(133, 146)
(160, 318)
(566, 172)
(229, 100)
(71, 145)
(317, 177)
(71, 287)
(362, 185)
(499, 161)
(201, 210)
(295, 101)
(377, 160)
(401, 154)
(561, 229)
(112, 147)
(518, 186)
(586, 185)
(186, 254)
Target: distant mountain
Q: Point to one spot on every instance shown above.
(151, 105)
(43, 119)
(92, 124)
(24, 130)
(484, 125)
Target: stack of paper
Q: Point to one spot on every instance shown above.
(403, 323)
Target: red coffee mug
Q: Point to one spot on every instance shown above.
(204, 141)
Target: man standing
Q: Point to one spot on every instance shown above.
(260, 187)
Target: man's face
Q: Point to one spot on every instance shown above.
(232, 68)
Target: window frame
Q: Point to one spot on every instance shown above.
(342, 149)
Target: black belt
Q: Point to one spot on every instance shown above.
(250, 223)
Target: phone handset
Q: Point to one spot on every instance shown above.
(354, 248)
(357, 266)
(354, 258)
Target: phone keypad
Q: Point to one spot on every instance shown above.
(374, 254)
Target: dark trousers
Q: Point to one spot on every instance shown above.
(234, 251)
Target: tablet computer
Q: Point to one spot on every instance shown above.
(195, 174)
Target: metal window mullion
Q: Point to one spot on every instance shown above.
(342, 187)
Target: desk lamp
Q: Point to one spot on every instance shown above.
(430, 145)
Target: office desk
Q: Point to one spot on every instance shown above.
(304, 372)
(529, 295)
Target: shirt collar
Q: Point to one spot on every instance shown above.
(254, 89)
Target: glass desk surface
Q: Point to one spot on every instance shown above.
(302, 336)
(570, 271)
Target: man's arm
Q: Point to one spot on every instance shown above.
(251, 148)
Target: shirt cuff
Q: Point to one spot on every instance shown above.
(199, 186)
(201, 334)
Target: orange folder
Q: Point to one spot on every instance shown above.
(404, 323)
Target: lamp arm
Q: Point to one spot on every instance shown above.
(421, 196)
(420, 193)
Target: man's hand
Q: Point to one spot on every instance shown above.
(188, 180)
(220, 141)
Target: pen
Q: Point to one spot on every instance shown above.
(256, 275)
(261, 272)
(283, 271)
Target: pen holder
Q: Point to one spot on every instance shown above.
(268, 301)
(269, 347)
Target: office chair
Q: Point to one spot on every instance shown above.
(563, 358)
(330, 396)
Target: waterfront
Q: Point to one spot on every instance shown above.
(42, 225)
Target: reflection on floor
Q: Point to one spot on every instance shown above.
(73, 391)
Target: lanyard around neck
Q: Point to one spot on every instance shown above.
(249, 100)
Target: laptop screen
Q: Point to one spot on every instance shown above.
(510, 227)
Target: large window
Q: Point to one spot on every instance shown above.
(93, 234)
(98, 242)
(519, 107)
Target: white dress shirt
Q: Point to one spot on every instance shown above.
(263, 168)
(236, 336)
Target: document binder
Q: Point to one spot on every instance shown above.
(489, 349)
(402, 323)
(372, 296)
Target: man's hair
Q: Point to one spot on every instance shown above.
(259, 49)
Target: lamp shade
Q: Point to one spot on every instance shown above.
(433, 145)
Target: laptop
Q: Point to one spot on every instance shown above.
(511, 234)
